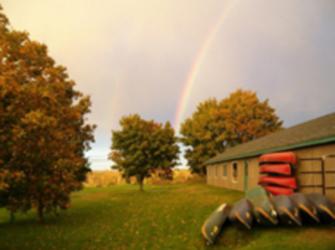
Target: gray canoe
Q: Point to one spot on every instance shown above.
(212, 227)
(264, 211)
(307, 209)
(325, 207)
(287, 210)
(241, 214)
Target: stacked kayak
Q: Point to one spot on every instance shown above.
(277, 173)
(279, 169)
(260, 208)
(281, 157)
(289, 182)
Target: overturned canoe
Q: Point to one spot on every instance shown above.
(307, 209)
(212, 227)
(241, 213)
(276, 190)
(264, 212)
(280, 169)
(289, 182)
(325, 207)
(288, 212)
(284, 157)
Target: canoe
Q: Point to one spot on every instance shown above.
(276, 190)
(212, 227)
(241, 214)
(324, 206)
(263, 212)
(289, 182)
(284, 157)
(307, 209)
(287, 210)
(281, 169)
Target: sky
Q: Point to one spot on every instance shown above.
(161, 58)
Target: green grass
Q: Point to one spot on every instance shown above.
(162, 217)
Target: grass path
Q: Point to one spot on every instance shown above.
(162, 217)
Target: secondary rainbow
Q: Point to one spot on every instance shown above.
(196, 65)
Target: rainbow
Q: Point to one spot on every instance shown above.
(196, 65)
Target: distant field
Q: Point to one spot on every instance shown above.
(162, 217)
(109, 178)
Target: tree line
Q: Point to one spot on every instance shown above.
(142, 147)
(44, 132)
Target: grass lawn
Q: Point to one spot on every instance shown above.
(162, 217)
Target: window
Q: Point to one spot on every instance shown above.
(225, 170)
(216, 171)
(234, 171)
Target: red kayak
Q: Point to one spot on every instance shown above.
(278, 190)
(282, 169)
(288, 182)
(284, 157)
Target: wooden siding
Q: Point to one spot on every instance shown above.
(216, 177)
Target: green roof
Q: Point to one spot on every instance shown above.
(314, 132)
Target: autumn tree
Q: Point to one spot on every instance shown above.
(202, 134)
(216, 125)
(142, 147)
(247, 118)
(43, 129)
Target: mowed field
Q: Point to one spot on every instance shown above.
(161, 217)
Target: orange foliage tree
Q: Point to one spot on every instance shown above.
(43, 131)
(216, 125)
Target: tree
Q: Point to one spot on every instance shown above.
(217, 125)
(202, 134)
(43, 129)
(142, 147)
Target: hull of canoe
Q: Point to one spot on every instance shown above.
(212, 227)
(275, 190)
(263, 209)
(287, 210)
(279, 169)
(241, 214)
(307, 209)
(325, 207)
(284, 157)
(289, 182)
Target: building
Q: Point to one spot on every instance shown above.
(313, 142)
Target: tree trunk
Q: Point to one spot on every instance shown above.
(56, 212)
(12, 217)
(127, 178)
(141, 185)
(140, 179)
(40, 212)
(203, 171)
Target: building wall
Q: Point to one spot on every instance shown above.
(218, 176)
(316, 179)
